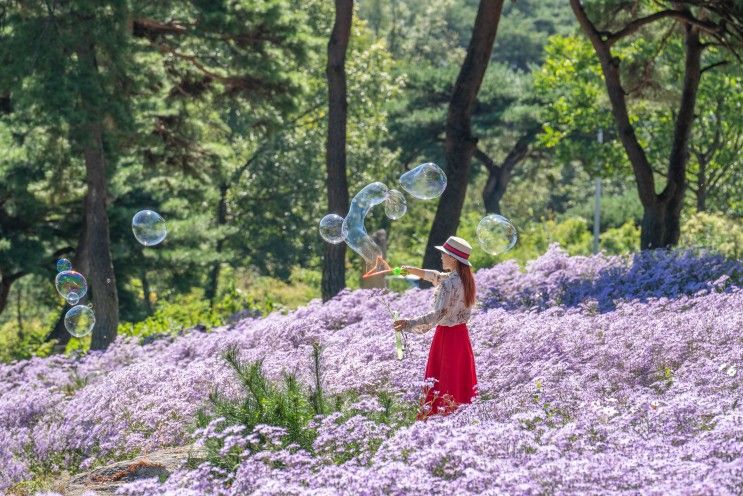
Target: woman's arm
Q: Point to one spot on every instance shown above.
(432, 276)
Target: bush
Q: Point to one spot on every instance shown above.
(183, 312)
(269, 294)
(267, 416)
(621, 240)
(26, 345)
(713, 232)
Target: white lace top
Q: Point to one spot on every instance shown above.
(448, 303)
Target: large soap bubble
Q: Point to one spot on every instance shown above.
(496, 234)
(63, 264)
(79, 320)
(331, 228)
(425, 182)
(395, 205)
(354, 231)
(149, 227)
(71, 285)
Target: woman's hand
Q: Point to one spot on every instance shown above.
(400, 325)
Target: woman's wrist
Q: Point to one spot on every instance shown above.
(412, 270)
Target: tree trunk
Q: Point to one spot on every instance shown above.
(5, 283)
(97, 243)
(101, 276)
(460, 143)
(19, 314)
(661, 212)
(334, 257)
(212, 286)
(500, 176)
(146, 293)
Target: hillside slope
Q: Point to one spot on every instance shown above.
(596, 374)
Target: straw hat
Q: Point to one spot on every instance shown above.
(457, 248)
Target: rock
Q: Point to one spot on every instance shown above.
(106, 480)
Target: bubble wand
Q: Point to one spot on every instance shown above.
(395, 271)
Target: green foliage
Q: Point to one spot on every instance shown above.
(619, 205)
(620, 240)
(15, 346)
(263, 402)
(192, 309)
(713, 232)
(571, 81)
(183, 312)
(289, 405)
(268, 294)
(279, 200)
(715, 159)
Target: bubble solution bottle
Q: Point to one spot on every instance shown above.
(399, 345)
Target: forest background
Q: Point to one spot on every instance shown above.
(216, 116)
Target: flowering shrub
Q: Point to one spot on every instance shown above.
(596, 375)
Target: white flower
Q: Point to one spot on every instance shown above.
(609, 411)
(732, 371)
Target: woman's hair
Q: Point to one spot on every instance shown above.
(465, 274)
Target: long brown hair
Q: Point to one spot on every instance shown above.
(465, 274)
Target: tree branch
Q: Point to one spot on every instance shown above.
(721, 172)
(682, 129)
(716, 64)
(686, 17)
(144, 27)
(485, 160)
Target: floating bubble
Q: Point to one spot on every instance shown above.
(63, 264)
(73, 298)
(70, 282)
(79, 320)
(331, 228)
(354, 231)
(425, 182)
(496, 234)
(395, 205)
(148, 227)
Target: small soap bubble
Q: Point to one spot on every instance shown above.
(496, 234)
(79, 321)
(149, 227)
(63, 264)
(331, 227)
(395, 205)
(70, 282)
(425, 182)
(73, 299)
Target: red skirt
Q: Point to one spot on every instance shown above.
(452, 363)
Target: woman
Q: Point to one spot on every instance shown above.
(450, 360)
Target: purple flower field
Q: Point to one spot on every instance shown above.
(597, 375)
